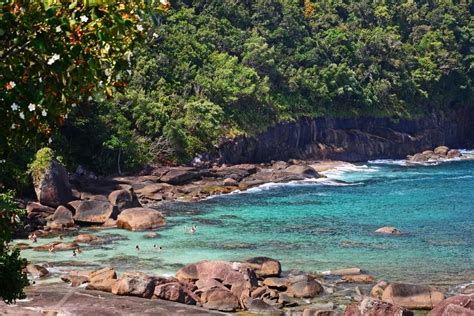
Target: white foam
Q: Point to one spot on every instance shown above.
(467, 151)
(400, 162)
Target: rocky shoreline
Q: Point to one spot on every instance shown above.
(257, 285)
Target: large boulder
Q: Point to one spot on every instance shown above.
(264, 266)
(37, 208)
(123, 199)
(102, 280)
(92, 211)
(258, 306)
(459, 305)
(453, 153)
(373, 307)
(134, 284)
(302, 170)
(412, 296)
(175, 292)
(377, 290)
(76, 278)
(180, 175)
(220, 299)
(62, 218)
(52, 185)
(139, 218)
(36, 271)
(441, 150)
(305, 289)
(224, 271)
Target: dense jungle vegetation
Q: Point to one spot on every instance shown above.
(215, 69)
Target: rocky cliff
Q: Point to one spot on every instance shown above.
(352, 139)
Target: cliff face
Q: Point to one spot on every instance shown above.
(355, 139)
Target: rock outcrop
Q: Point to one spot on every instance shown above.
(140, 219)
(92, 211)
(351, 139)
(458, 305)
(62, 218)
(412, 296)
(52, 187)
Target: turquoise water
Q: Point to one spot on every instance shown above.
(316, 226)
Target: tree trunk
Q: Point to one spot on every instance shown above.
(118, 162)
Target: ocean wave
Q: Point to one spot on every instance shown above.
(397, 162)
(467, 151)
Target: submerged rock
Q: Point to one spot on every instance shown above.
(345, 271)
(358, 278)
(389, 230)
(58, 246)
(140, 219)
(86, 238)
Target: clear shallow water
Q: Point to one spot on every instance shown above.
(316, 226)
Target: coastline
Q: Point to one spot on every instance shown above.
(321, 167)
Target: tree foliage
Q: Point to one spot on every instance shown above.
(12, 278)
(55, 56)
(218, 69)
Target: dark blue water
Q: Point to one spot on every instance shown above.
(322, 226)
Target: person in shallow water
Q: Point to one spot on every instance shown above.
(193, 229)
(33, 237)
(137, 247)
(52, 250)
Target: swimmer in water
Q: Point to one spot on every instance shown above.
(193, 229)
(137, 247)
(52, 250)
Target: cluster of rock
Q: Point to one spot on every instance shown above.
(191, 183)
(59, 206)
(84, 199)
(438, 154)
(257, 285)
